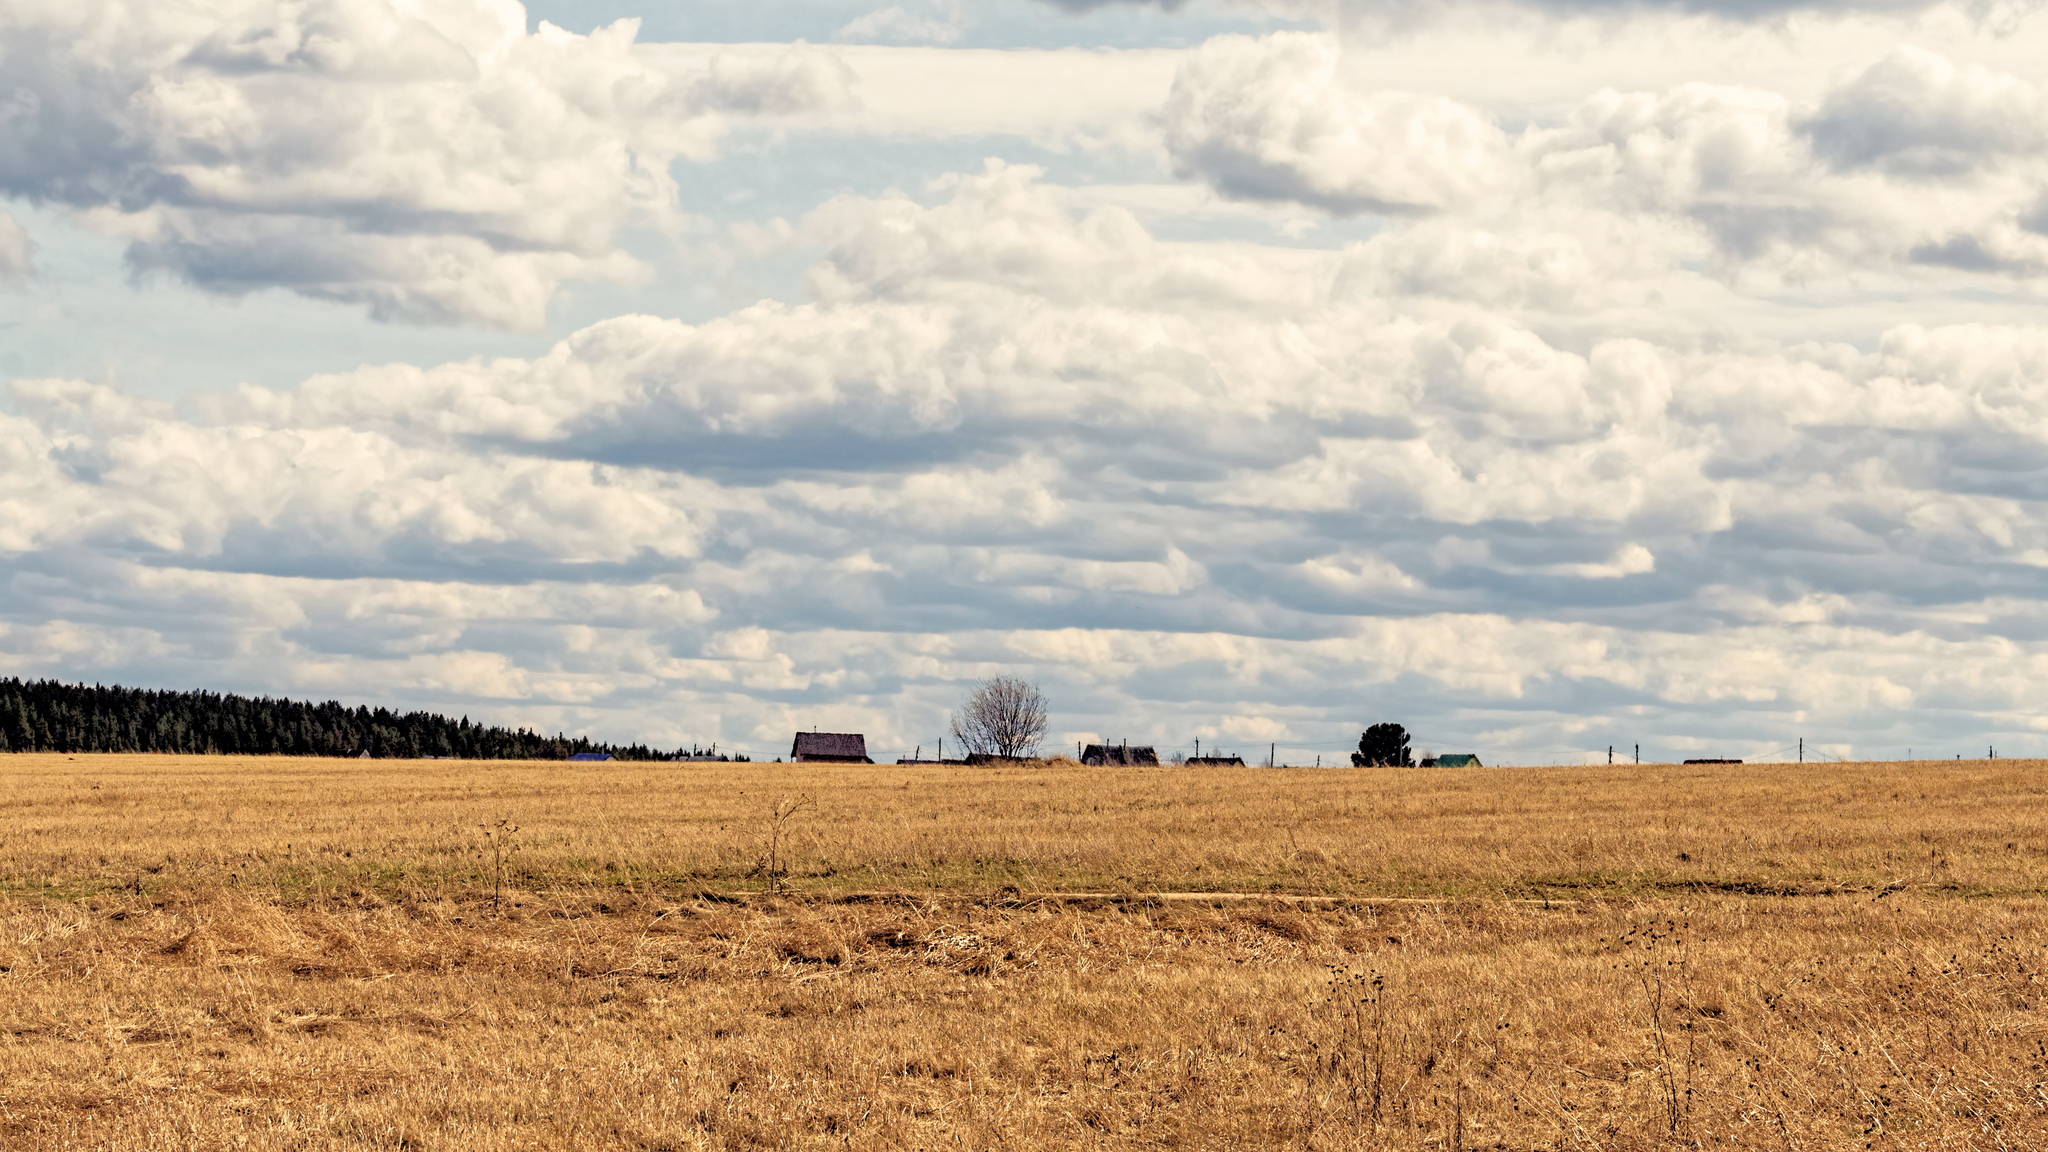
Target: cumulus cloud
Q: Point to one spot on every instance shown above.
(898, 25)
(1007, 436)
(1530, 447)
(1268, 119)
(1916, 114)
(1752, 180)
(432, 161)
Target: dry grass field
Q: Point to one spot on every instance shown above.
(318, 954)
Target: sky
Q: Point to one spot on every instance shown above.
(1547, 377)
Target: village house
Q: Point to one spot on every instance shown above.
(829, 748)
(1120, 755)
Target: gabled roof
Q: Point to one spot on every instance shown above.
(1127, 755)
(1455, 760)
(829, 746)
(591, 756)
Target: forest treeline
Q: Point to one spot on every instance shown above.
(48, 716)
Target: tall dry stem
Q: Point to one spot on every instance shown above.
(1656, 958)
(779, 815)
(495, 836)
(1353, 1053)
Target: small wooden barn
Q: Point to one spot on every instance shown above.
(829, 748)
(1452, 760)
(1120, 755)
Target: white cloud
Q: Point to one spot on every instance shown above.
(1631, 560)
(1002, 418)
(898, 25)
(1344, 572)
(1756, 181)
(1065, 100)
(1636, 408)
(432, 161)
(931, 328)
(1916, 114)
(1268, 119)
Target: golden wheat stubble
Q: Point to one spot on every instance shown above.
(305, 954)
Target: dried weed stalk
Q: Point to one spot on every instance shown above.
(496, 836)
(772, 864)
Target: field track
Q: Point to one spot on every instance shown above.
(292, 954)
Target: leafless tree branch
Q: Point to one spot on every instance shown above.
(1004, 717)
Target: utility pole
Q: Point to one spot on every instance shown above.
(1272, 751)
(1802, 749)
(1610, 753)
(1639, 753)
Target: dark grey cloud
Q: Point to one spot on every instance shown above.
(1914, 114)
(1968, 254)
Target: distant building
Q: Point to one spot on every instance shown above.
(591, 756)
(1215, 761)
(1120, 755)
(829, 748)
(1452, 760)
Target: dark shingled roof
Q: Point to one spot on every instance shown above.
(851, 747)
(1125, 755)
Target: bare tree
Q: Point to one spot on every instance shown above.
(1004, 717)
